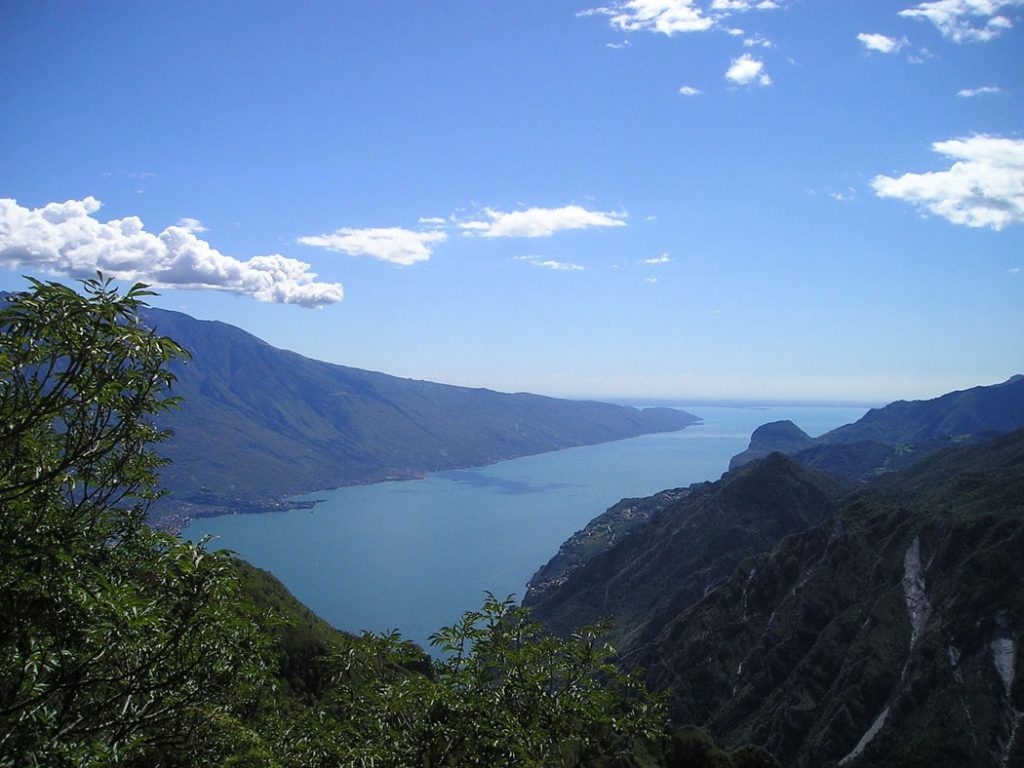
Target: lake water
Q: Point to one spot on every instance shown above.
(414, 555)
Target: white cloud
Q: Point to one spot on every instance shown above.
(689, 90)
(881, 43)
(541, 222)
(965, 21)
(618, 46)
(392, 244)
(746, 69)
(741, 6)
(758, 41)
(968, 93)
(192, 225)
(668, 17)
(433, 221)
(663, 259)
(474, 226)
(651, 280)
(65, 239)
(983, 188)
(663, 16)
(561, 266)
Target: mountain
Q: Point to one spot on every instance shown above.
(886, 637)
(875, 627)
(260, 423)
(901, 433)
(693, 540)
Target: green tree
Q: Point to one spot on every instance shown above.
(114, 638)
(505, 693)
(124, 646)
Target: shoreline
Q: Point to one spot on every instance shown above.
(178, 515)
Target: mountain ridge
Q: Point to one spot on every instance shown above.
(897, 435)
(262, 424)
(845, 629)
(688, 546)
(848, 642)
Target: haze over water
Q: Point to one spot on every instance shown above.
(415, 554)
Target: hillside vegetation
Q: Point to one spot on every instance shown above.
(125, 646)
(859, 627)
(263, 423)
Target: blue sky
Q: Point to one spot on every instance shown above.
(791, 199)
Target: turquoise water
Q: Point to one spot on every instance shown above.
(414, 555)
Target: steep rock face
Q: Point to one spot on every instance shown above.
(687, 547)
(885, 634)
(262, 423)
(898, 435)
(887, 637)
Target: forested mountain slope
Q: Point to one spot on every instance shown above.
(260, 423)
(888, 636)
(877, 627)
(689, 545)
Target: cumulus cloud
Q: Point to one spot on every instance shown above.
(968, 93)
(983, 188)
(666, 17)
(965, 21)
(66, 239)
(541, 222)
(392, 244)
(746, 69)
(663, 259)
(689, 90)
(561, 266)
(881, 43)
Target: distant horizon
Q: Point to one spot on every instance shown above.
(777, 397)
(922, 390)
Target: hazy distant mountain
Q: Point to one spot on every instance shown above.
(889, 438)
(260, 423)
(873, 628)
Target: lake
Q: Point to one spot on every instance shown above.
(414, 555)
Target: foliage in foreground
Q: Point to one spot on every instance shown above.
(504, 694)
(124, 646)
(114, 638)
